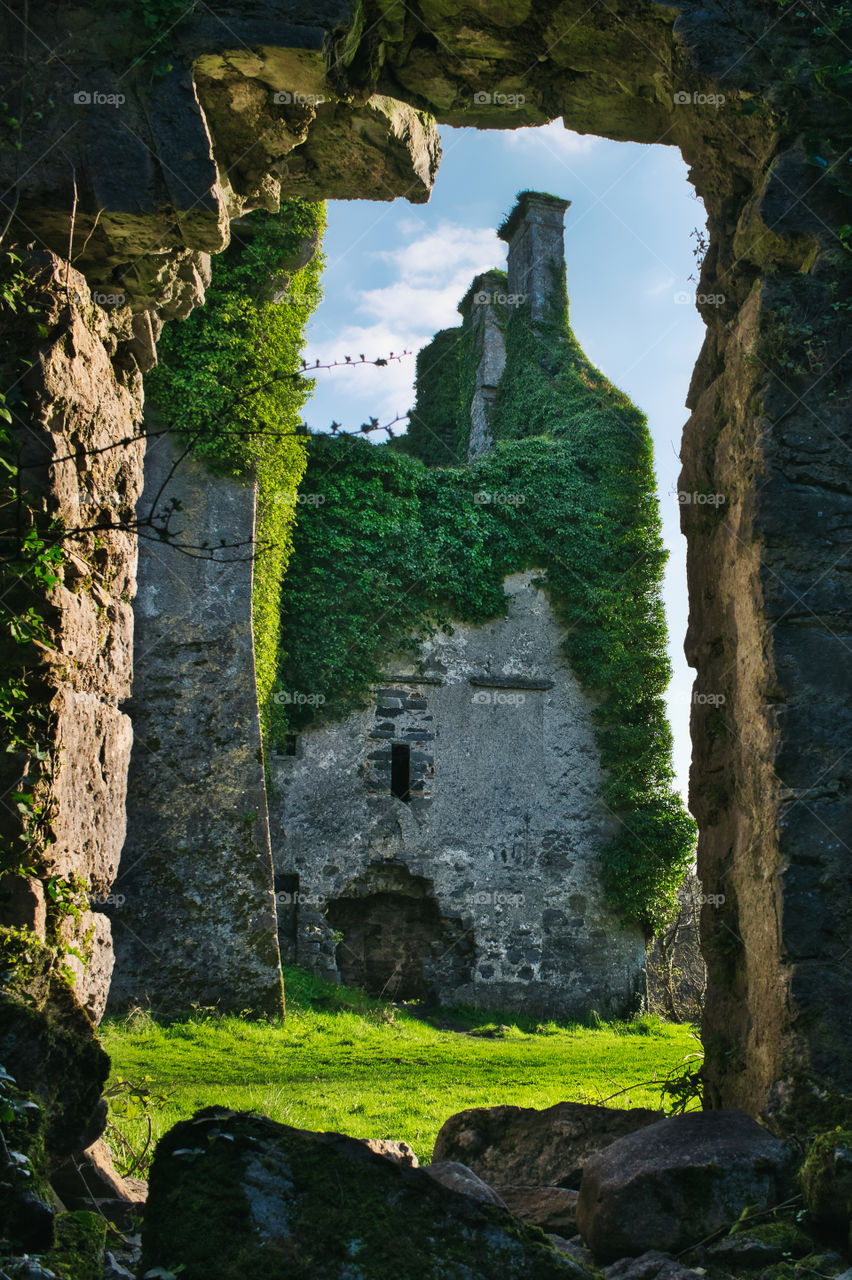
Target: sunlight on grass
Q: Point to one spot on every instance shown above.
(341, 1061)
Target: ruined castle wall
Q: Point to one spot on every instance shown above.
(536, 255)
(770, 418)
(196, 921)
(502, 828)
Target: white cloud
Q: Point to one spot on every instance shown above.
(553, 138)
(449, 248)
(430, 274)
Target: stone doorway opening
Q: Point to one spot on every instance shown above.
(396, 943)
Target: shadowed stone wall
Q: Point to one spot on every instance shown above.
(479, 309)
(196, 921)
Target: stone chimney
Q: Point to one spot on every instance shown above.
(533, 232)
(536, 269)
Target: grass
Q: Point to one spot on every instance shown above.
(342, 1061)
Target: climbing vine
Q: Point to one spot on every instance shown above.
(32, 556)
(229, 379)
(433, 434)
(388, 549)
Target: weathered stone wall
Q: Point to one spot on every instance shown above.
(83, 396)
(480, 309)
(501, 831)
(196, 921)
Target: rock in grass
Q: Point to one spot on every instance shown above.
(235, 1195)
(554, 1209)
(673, 1183)
(526, 1147)
(393, 1149)
(459, 1178)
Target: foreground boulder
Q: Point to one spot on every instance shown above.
(668, 1186)
(235, 1195)
(526, 1147)
(651, 1266)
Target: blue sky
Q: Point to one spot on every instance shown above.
(396, 273)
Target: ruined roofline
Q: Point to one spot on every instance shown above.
(485, 282)
(526, 200)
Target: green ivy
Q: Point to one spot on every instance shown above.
(388, 549)
(229, 378)
(31, 564)
(433, 434)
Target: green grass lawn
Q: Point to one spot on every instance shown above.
(344, 1062)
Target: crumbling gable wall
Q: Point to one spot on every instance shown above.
(501, 829)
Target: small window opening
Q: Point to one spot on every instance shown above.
(401, 771)
(287, 887)
(288, 745)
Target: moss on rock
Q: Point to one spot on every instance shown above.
(783, 1235)
(234, 1194)
(78, 1253)
(827, 1178)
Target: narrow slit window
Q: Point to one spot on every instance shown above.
(401, 771)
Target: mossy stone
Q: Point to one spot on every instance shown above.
(234, 1194)
(78, 1253)
(784, 1235)
(827, 1178)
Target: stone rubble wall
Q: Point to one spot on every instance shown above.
(504, 823)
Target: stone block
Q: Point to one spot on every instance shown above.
(671, 1184)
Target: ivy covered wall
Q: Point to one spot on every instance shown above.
(394, 542)
(229, 379)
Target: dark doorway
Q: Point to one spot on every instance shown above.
(399, 947)
(287, 909)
